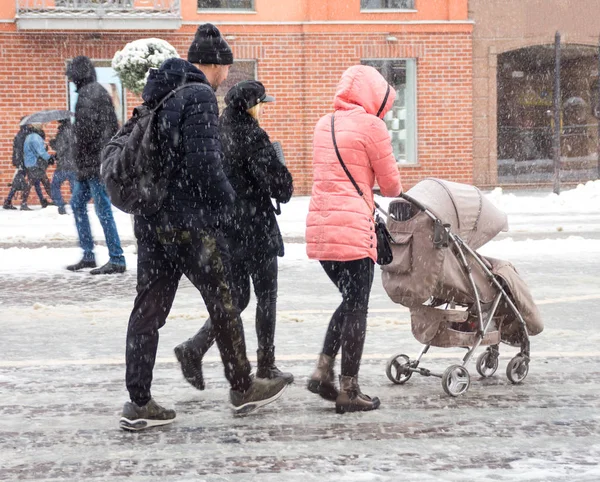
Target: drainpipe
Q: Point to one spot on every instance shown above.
(557, 126)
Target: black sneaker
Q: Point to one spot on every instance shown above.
(25, 207)
(110, 268)
(261, 393)
(191, 365)
(152, 414)
(81, 265)
(8, 206)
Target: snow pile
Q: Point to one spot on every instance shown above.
(133, 63)
(585, 198)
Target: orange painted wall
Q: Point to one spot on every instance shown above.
(300, 63)
(329, 10)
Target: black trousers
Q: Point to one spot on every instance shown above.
(263, 273)
(348, 325)
(33, 180)
(165, 253)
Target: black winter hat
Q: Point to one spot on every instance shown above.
(209, 47)
(247, 94)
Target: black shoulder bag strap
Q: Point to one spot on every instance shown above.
(339, 156)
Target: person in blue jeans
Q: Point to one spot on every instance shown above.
(95, 124)
(65, 167)
(36, 159)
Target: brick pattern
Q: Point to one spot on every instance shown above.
(300, 69)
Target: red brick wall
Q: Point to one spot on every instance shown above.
(300, 70)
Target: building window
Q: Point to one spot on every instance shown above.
(385, 4)
(240, 70)
(107, 78)
(401, 120)
(226, 4)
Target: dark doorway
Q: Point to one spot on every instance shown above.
(525, 114)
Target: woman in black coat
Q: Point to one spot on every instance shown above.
(258, 177)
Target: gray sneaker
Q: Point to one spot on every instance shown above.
(152, 414)
(262, 392)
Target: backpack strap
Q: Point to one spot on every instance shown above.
(174, 91)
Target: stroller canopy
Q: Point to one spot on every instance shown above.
(471, 215)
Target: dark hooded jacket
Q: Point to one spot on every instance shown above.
(95, 118)
(257, 177)
(63, 145)
(18, 154)
(188, 134)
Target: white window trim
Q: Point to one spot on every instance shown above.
(226, 11)
(388, 10)
(416, 116)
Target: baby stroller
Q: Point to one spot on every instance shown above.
(456, 297)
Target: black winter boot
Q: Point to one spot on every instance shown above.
(190, 353)
(110, 268)
(191, 364)
(25, 207)
(82, 264)
(8, 205)
(322, 381)
(266, 366)
(351, 399)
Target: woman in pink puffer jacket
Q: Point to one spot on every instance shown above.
(340, 230)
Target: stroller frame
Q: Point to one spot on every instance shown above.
(456, 379)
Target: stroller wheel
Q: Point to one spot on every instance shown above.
(517, 369)
(456, 380)
(397, 369)
(487, 364)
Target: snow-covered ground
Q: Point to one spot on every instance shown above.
(62, 348)
(573, 211)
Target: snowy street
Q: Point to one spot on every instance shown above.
(62, 370)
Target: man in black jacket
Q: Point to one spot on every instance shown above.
(185, 236)
(95, 124)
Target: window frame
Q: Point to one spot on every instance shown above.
(412, 9)
(221, 99)
(72, 95)
(412, 146)
(226, 10)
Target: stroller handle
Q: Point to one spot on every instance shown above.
(413, 201)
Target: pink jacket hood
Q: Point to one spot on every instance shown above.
(363, 86)
(339, 225)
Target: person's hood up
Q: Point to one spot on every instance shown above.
(171, 74)
(81, 71)
(362, 85)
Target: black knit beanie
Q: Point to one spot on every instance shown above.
(209, 47)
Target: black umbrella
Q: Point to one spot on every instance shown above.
(45, 116)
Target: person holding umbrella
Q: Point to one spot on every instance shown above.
(20, 181)
(36, 159)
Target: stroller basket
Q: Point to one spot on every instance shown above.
(449, 328)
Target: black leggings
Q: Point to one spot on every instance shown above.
(348, 325)
(263, 273)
